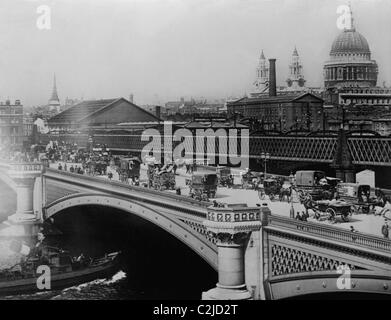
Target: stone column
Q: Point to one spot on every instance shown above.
(231, 227)
(24, 222)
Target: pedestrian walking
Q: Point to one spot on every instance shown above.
(385, 229)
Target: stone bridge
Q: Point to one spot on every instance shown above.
(257, 255)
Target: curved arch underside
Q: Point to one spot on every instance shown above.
(197, 242)
(366, 282)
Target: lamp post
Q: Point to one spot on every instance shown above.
(265, 157)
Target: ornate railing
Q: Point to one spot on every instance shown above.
(333, 233)
(238, 213)
(26, 167)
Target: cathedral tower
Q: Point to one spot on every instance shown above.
(261, 82)
(295, 79)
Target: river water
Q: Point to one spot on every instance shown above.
(154, 265)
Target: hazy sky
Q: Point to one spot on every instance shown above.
(164, 49)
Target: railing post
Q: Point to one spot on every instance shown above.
(231, 226)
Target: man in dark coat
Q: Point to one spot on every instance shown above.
(385, 229)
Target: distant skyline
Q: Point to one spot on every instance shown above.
(160, 50)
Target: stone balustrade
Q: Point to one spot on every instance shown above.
(357, 238)
(238, 213)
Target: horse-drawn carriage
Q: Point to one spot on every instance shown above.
(129, 168)
(359, 196)
(163, 180)
(96, 166)
(203, 185)
(269, 187)
(251, 180)
(286, 191)
(330, 209)
(224, 176)
(314, 185)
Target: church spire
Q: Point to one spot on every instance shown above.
(295, 52)
(262, 56)
(54, 91)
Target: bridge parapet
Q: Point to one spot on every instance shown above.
(236, 213)
(25, 169)
(363, 240)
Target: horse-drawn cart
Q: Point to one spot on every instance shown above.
(359, 195)
(330, 209)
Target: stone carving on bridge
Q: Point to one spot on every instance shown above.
(231, 226)
(201, 229)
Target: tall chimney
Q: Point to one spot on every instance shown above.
(158, 111)
(272, 78)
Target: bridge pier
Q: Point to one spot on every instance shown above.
(24, 222)
(343, 161)
(231, 227)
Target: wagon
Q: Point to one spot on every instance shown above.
(330, 208)
(203, 183)
(251, 180)
(224, 176)
(270, 187)
(358, 195)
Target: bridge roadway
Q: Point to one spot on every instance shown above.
(257, 254)
(365, 223)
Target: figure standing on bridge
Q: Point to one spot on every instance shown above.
(385, 229)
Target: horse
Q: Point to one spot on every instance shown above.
(285, 193)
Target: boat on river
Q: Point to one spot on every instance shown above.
(65, 271)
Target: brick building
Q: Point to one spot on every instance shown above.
(11, 125)
(282, 112)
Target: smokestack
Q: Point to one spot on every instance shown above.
(272, 78)
(131, 98)
(158, 111)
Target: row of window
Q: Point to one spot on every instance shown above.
(367, 101)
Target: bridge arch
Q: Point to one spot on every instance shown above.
(328, 282)
(179, 229)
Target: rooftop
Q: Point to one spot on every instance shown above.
(283, 98)
(81, 110)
